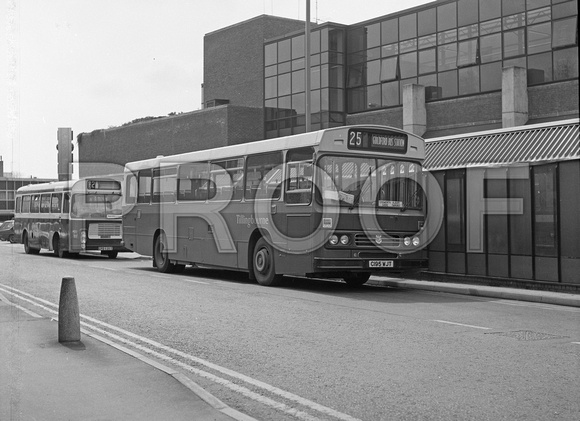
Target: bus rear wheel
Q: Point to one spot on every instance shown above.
(263, 264)
(356, 279)
(160, 257)
(58, 249)
(27, 248)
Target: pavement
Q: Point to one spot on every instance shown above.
(96, 379)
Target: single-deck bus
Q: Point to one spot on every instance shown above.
(68, 217)
(343, 203)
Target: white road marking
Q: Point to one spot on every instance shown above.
(240, 389)
(461, 324)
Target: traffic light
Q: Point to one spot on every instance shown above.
(65, 157)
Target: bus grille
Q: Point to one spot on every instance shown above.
(362, 240)
(104, 230)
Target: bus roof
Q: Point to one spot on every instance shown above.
(56, 186)
(262, 146)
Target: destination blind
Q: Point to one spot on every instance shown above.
(382, 141)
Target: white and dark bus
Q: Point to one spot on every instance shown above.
(343, 203)
(69, 217)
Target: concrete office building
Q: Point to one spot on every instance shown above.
(488, 83)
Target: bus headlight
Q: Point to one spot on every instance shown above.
(407, 241)
(344, 240)
(83, 239)
(416, 241)
(333, 240)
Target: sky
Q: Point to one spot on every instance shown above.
(95, 64)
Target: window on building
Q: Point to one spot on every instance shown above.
(565, 32)
(468, 80)
(427, 61)
(389, 31)
(489, 9)
(467, 12)
(373, 72)
(467, 53)
(540, 68)
(455, 211)
(566, 64)
(390, 94)
(446, 17)
(408, 65)
(427, 22)
(447, 57)
(514, 43)
(490, 48)
(545, 215)
(407, 26)
(539, 38)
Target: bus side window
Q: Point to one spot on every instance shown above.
(45, 203)
(66, 203)
(259, 167)
(35, 204)
(130, 189)
(25, 204)
(144, 187)
(18, 204)
(55, 203)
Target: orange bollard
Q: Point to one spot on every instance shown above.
(69, 322)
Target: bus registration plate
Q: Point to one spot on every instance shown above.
(105, 248)
(381, 264)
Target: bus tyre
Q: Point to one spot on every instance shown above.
(58, 250)
(160, 256)
(263, 264)
(27, 248)
(356, 279)
(111, 254)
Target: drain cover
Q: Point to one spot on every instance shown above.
(527, 335)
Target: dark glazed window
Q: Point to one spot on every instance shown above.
(448, 83)
(298, 47)
(566, 64)
(389, 69)
(467, 53)
(490, 48)
(270, 54)
(489, 9)
(259, 167)
(455, 207)
(565, 32)
(427, 61)
(545, 214)
(284, 51)
(408, 63)
(509, 7)
(514, 43)
(539, 68)
(539, 38)
(389, 31)
(427, 22)
(407, 27)
(446, 17)
(467, 12)
(468, 80)
(373, 35)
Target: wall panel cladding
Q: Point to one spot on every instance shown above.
(204, 129)
(233, 57)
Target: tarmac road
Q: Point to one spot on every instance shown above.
(318, 350)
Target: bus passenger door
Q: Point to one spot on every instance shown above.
(130, 212)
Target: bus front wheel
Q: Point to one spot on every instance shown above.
(27, 248)
(263, 264)
(58, 249)
(160, 257)
(356, 279)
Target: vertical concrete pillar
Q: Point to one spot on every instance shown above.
(514, 96)
(414, 110)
